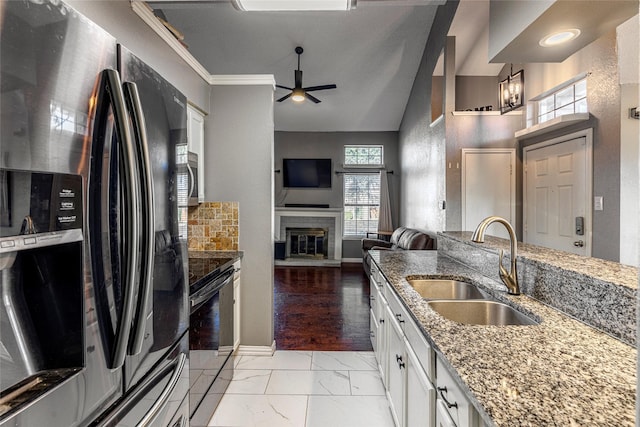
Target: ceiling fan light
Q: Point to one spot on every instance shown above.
(293, 5)
(559, 37)
(297, 95)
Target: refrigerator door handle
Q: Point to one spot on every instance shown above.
(147, 238)
(163, 399)
(113, 87)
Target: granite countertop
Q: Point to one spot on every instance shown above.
(558, 373)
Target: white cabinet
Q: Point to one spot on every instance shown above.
(410, 392)
(377, 321)
(396, 370)
(195, 143)
(453, 402)
(420, 393)
(236, 305)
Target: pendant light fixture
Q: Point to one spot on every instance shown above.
(512, 91)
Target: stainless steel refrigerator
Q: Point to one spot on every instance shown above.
(93, 281)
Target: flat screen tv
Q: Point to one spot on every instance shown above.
(306, 173)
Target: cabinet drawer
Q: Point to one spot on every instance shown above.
(422, 349)
(399, 312)
(374, 330)
(416, 339)
(458, 407)
(377, 302)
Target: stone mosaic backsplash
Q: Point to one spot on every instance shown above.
(213, 226)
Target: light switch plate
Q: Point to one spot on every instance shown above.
(597, 203)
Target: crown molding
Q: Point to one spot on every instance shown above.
(146, 14)
(242, 79)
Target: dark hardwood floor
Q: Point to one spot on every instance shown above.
(321, 308)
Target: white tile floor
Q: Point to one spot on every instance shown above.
(305, 389)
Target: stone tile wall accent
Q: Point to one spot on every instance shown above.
(213, 226)
(600, 293)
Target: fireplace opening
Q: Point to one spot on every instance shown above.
(307, 243)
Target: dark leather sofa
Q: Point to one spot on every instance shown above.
(403, 238)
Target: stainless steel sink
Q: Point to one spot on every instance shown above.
(433, 289)
(480, 312)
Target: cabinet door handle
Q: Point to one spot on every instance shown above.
(399, 361)
(442, 391)
(381, 321)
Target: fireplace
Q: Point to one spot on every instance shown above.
(329, 220)
(307, 243)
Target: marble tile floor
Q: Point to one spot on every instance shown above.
(305, 389)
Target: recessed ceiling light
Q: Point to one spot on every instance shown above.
(559, 37)
(294, 5)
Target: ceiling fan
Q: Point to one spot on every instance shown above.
(299, 93)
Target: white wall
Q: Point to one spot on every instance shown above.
(238, 159)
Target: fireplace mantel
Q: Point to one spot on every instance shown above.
(335, 239)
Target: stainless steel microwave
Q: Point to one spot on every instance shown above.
(192, 167)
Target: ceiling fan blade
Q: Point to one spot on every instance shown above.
(284, 97)
(298, 79)
(323, 87)
(284, 87)
(312, 98)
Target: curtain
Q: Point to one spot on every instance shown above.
(385, 222)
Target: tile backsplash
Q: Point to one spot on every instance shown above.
(213, 226)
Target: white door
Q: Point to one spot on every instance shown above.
(488, 188)
(557, 195)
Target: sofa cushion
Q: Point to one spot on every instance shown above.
(414, 239)
(402, 238)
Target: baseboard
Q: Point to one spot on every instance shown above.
(352, 260)
(256, 350)
(301, 262)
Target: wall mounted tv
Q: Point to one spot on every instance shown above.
(306, 173)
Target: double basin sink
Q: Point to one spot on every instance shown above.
(464, 303)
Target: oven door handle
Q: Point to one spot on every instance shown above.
(210, 290)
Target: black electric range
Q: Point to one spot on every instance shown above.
(203, 270)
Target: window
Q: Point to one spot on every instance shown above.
(568, 98)
(363, 155)
(361, 189)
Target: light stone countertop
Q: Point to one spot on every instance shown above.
(558, 373)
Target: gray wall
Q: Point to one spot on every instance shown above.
(476, 91)
(422, 146)
(331, 145)
(118, 18)
(603, 97)
(477, 131)
(238, 160)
